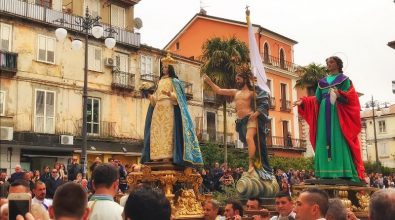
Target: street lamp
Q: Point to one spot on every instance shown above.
(87, 23)
(393, 86)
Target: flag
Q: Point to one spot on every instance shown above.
(256, 62)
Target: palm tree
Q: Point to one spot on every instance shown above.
(222, 60)
(309, 76)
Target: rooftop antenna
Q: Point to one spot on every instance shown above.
(202, 8)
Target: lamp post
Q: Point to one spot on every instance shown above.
(393, 86)
(87, 23)
(373, 104)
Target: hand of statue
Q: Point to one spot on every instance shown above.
(297, 103)
(206, 78)
(254, 115)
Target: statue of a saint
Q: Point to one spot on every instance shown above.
(169, 133)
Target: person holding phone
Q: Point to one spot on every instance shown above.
(18, 204)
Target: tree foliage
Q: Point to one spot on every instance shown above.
(222, 59)
(239, 158)
(310, 75)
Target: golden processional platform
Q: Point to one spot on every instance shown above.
(180, 185)
(354, 196)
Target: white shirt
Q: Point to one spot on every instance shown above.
(104, 209)
(43, 203)
(292, 214)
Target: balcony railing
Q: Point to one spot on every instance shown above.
(122, 80)
(188, 90)
(216, 137)
(209, 97)
(285, 105)
(151, 77)
(277, 62)
(8, 63)
(284, 142)
(272, 103)
(38, 13)
(102, 129)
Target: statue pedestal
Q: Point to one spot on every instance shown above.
(180, 185)
(354, 196)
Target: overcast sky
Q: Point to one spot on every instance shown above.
(355, 30)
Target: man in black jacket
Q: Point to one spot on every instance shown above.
(73, 169)
(53, 183)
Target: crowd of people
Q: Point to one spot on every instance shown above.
(62, 191)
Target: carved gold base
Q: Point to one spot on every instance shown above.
(356, 198)
(186, 203)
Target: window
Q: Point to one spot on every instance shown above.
(5, 34)
(177, 45)
(93, 116)
(94, 58)
(44, 112)
(2, 103)
(146, 68)
(383, 150)
(93, 7)
(382, 128)
(117, 16)
(121, 62)
(46, 49)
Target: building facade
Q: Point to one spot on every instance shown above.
(277, 55)
(385, 136)
(41, 84)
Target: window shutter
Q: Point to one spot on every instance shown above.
(142, 65)
(5, 37)
(57, 5)
(122, 62)
(114, 15)
(121, 17)
(50, 50)
(41, 48)
(149, 65)
(91, 60)
(39, 122)
(98, 59)
(2, 103)
(50, 112)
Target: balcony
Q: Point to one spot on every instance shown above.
(285, 105)
(277, 62)
(286, 143)
(209, 97)
(272, 103)
(122, 80)
(37, 13)
(102, 129)
(149, 77)
(188, 90)
(216, 137)
(8, 63)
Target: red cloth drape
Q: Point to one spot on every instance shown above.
(309, 111)
(350, 123)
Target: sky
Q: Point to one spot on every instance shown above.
(355, 30)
